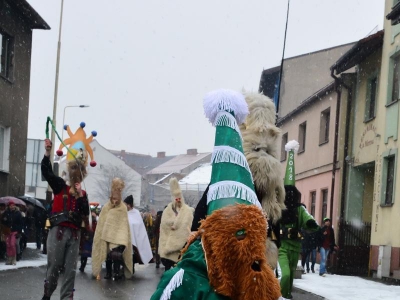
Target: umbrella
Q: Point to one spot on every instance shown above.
(5, 200)
(32, 200)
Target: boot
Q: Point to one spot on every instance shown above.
(117, 269)
(9, 260)
(14, 260)
(108, 269)
(83, 264)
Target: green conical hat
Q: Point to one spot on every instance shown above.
(291, 147)
(231, 179)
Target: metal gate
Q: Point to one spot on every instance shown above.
(354, 244)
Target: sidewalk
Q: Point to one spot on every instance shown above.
(30, 258)
(333, 287)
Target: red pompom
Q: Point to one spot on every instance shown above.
(93, 163)
(59, 152)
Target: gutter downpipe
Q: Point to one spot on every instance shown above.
(338, 83)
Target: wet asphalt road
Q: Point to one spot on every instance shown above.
(28, 284)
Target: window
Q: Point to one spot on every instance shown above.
(396, 78)
(302, 137)
(4, 148)
(371, 98)
(6, 55)
(389, 161)
(313, 196)
(324, 126)
(284, 142)
(324, 205)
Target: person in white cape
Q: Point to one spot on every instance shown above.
(142, 253)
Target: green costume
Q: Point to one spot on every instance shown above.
(231, 185)
(290, 249)
(192, 270)
(295, 218)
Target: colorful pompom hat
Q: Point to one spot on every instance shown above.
(231, 179)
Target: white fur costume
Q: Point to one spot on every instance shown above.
(260, 140)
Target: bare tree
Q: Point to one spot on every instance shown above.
(191, 199)
(106, 175)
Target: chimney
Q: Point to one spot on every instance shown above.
(191, 152)
(161, 154)
(122, 154)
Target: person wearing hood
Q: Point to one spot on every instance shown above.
(175, 226)
(141, 248)
(70, 208)
(112, 239)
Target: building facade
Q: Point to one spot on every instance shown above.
(17, 20)
(357, 75)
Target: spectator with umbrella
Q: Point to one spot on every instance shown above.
(12, 220)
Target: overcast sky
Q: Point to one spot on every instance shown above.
(144, 66)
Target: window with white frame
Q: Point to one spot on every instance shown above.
(302, 137)
(325, 120)
(4, 148)
(324, 211)
(313, 196)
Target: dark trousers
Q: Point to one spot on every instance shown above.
(38, 237)
(62, 254)
(114, 259)
(168, 264)
(305, 258)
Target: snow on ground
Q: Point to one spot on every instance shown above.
(36, 260)
(333, 287)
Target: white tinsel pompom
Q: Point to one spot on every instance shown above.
(292, 145)
(225, 100)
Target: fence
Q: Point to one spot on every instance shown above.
(354, 244)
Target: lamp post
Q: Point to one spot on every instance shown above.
(80, 106)
(49, 191)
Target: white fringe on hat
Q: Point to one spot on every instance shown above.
(225, 100)
(229, 154)
(224, 118)
(232, 189)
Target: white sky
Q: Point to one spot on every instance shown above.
(144, 66)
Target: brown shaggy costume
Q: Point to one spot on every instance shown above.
(242, 272)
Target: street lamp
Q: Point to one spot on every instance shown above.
(48, 193)
(79, 106)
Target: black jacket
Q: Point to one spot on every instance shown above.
(13, 219)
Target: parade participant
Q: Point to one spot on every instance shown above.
(260, 146)
(260, 143)
(226, 257)
(294, 219)
(70, 206)
(141, 248)
(87, 239)
(112, 239)
(175, 225)
(12, 220)
(156, 234)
